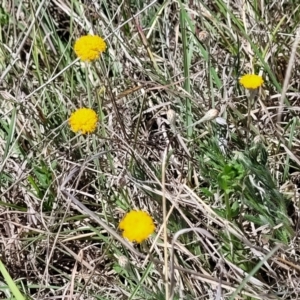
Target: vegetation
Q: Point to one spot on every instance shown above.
(212, 160)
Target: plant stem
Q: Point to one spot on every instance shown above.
(228, 209)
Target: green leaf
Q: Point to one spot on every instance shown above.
(10, 282)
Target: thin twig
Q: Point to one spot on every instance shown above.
(288, 74)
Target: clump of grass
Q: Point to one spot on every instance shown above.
(222, 190)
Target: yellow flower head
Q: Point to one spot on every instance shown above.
(89, 47)
(251, 81)
(137, 226)
(83, 120)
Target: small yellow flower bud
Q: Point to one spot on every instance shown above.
(83, 120)
(137, 226)
(89, 47)
(251, 81)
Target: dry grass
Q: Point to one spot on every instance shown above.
(224, 193)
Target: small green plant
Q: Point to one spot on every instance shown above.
(230, 180)
(42, 182)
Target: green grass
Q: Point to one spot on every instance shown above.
(223, 194)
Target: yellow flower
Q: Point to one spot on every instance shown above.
(83, 120)
(137, 226)
(251, 81)
(89, 47)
